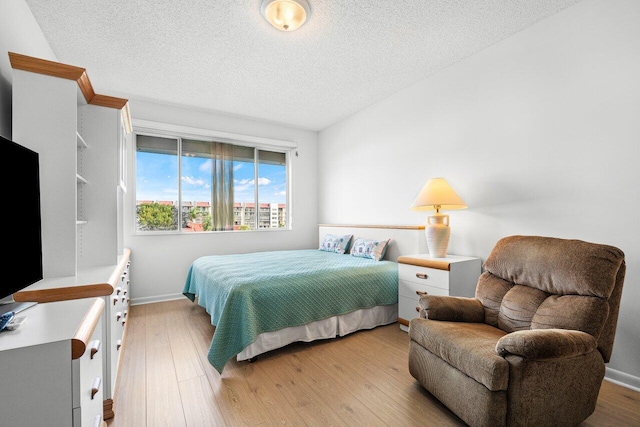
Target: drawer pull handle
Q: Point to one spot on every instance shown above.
(422, 275)
(95, 347)
(418, 309)
(124, 299)
(123, 322)
(118, 290)
(118, 316)
(115, 300)
(118, 344)
(422, 293)
(96, 387)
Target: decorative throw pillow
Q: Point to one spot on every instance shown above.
(370, 248)
(337, 244)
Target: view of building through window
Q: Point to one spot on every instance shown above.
(194, 186)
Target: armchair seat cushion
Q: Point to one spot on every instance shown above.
(468, 347)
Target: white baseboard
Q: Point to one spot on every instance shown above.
(157, 298)
(622, 379)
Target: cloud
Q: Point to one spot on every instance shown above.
(261, 181)
(199, 182)
(264, 181)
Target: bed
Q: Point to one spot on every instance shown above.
(262, 301)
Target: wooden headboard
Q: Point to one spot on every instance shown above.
(405, 239)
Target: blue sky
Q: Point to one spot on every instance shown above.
(156, 179)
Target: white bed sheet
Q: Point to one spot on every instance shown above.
(323, 329)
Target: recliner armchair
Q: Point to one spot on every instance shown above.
(530, 349)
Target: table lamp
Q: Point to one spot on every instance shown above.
(437, 194)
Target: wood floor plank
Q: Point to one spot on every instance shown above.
(164, 405)
(185, 356)
(236, 401)
(130, 393)
(299, 393)
(200, 405)
(393, 375)
(339, 363)
(350, 409)
(353, 380)
(277, 410)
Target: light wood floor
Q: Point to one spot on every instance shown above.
(361, 379)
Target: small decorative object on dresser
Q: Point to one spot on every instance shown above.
(422, 274)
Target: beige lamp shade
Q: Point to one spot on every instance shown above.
(437, 194)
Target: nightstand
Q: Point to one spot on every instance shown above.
(417, 274)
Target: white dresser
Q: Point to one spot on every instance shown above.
(51, 366)
(112, 284)
(418, 274)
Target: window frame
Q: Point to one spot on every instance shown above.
(165, 130)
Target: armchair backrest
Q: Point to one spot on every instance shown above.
(534, 282)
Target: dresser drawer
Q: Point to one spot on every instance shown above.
(87, 374)
(424, 275)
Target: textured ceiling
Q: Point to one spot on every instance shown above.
(223, 56)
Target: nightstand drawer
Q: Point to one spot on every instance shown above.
(424, 276)
(411, 289)
(408, 307)
(407, 304)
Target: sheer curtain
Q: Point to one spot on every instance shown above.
(222, 187)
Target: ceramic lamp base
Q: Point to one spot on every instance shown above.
(437, 232)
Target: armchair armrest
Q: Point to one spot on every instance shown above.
(453, 309)
(543, 344)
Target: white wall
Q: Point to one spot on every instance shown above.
(20, 33)
(159, 264)
(539, 134)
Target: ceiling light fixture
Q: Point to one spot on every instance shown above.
(285, 15)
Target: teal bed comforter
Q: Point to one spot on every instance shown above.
(248, 294)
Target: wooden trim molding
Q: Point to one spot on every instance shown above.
(403, 321)
(81, 338)
(71, 72)
(64, 293)
(425, 262)
(107, 409)
(117, 272)
(392, 227)
(108, 101)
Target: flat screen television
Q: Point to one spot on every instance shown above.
(21, 193)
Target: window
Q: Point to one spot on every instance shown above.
(189, 184)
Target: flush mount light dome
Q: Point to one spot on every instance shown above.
(285, 15)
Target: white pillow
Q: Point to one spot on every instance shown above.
(337, 244)
(369, 248)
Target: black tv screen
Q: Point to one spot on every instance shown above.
(21, 193)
